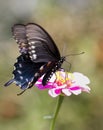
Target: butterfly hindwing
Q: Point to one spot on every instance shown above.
(24, 71)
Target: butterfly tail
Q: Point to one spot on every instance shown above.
(9, 82)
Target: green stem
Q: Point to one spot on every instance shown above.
(59, 102)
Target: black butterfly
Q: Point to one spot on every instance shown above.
(39, 55)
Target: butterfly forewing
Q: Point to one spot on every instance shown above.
(44, 45)
(19, 34)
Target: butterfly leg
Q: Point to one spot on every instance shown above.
(21, 92)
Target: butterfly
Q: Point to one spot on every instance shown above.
(39, 56)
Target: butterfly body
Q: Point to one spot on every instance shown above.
(56, 67)
(39, 56)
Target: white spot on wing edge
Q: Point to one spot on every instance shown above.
(33, 47)
(33, 51)
(33, 57)
(41, 68)
(21, 77)
(36, 74)
(19, 71)
(31, 42)
(27, 80)
(20, 65)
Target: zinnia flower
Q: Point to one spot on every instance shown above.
(65, 83)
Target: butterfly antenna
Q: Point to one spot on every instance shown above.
(72, 55)
(64, 48)
(75, 54)
(21, 92)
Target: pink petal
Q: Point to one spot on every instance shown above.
(80, 78)
(57, 91)
(40, 86)
(66, 92)
(76, 92)
(86, 89)
(48, 86)
(54, 92)
(74, 88)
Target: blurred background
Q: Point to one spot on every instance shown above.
(76, 26)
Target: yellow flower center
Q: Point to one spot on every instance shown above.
(64, 78)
